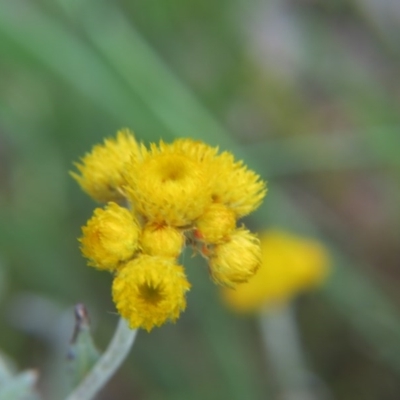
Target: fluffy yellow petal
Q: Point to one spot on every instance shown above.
(215, 224)
(195, 149)
(290, 264)
(236, 260)
(110, 237)
(149, 291)
(101, 171)
(162, 240)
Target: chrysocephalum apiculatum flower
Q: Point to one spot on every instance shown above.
(101, 171)
(110, 237)
(215, 224)
(180, 193)
(167, 186)
(290, 265)
(235, 260)
(162, 240)
(150, 290)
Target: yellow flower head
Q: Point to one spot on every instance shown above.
(100, 171)
(215, 224)
(109, 237)
(167, 186)
(236, 260)
(178, 191)
(236, 186)
(233, 184)
(162, 240)
(290, 264)
(148, 291)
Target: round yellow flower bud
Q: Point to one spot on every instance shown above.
(167, 186)
(215, 224)
(290, 265)
(101, 170)
(109, 237)
(162, 240)
(148, 291)
(236, 260)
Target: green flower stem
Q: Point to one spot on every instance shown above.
(109, 362)
(284, 353)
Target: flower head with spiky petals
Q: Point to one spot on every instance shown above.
(150, 290)
(101, 171)
(235, 260)
(167, 186)
(162, 240)
(236, 186)
(232, 183)
(215, 224)
(110, 237)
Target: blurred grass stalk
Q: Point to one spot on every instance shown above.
(283, 349)
(119, 53)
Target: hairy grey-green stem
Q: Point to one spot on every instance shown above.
(109, 362)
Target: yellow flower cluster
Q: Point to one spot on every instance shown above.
(290, 264)
(185, 192)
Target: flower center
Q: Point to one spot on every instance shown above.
(150, 294)
(173, 169)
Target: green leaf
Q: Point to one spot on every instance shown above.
(19, 387)
(82, 352)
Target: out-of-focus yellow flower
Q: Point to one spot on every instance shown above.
(162, 240)
(290, 264)
(215, 224)
(236, 260)
(101, 170)
(148, 291)
(109, 237)
(235, 185)
(167, 186)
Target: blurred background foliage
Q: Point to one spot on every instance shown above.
(306, 92)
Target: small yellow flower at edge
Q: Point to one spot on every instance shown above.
(101, 171)
(290, 264)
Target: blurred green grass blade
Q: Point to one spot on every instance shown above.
(26, 30)
(366, 309)
(385, 143)
(315, 153)
(149, 78)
